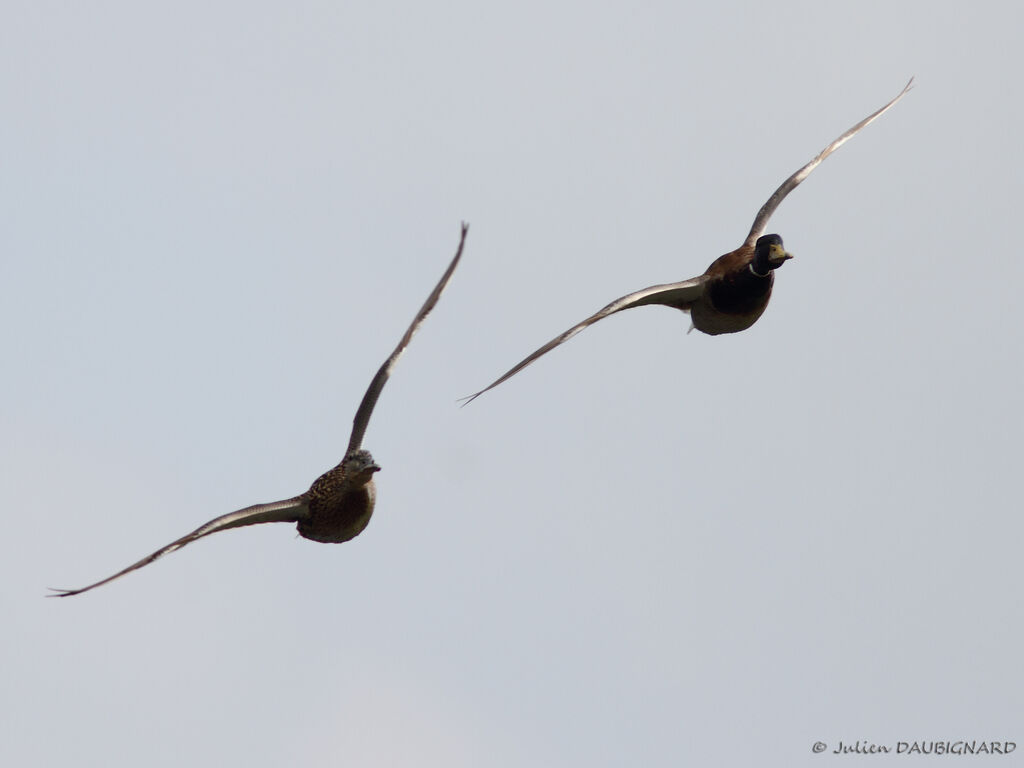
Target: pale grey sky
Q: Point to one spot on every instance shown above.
(650, 548)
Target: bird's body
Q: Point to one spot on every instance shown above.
(342, 517)
(729, 297)
(339, 504)
(734, 296)
(734, 291)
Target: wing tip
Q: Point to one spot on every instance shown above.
(64, 592)
(464, 401)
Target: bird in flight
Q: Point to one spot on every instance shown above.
(339, 503)
(733, 292)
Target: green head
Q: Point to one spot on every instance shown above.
(768, 255)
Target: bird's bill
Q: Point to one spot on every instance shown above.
(777, 254)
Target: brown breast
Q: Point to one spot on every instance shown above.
(339, 514)
(734, 297)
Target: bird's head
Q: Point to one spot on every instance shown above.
(360, 466)
(768, 254)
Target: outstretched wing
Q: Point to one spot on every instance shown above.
(679, 295)
(362, 417)
(761, 220)
(286, 511)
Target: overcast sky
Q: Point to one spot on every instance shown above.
(650, 548)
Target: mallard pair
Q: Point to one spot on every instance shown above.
(728, 297)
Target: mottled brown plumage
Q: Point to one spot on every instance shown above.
(734, 291)
(339, 503)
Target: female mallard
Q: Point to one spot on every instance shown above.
(339, 503)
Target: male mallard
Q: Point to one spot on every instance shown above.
(734, 291)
